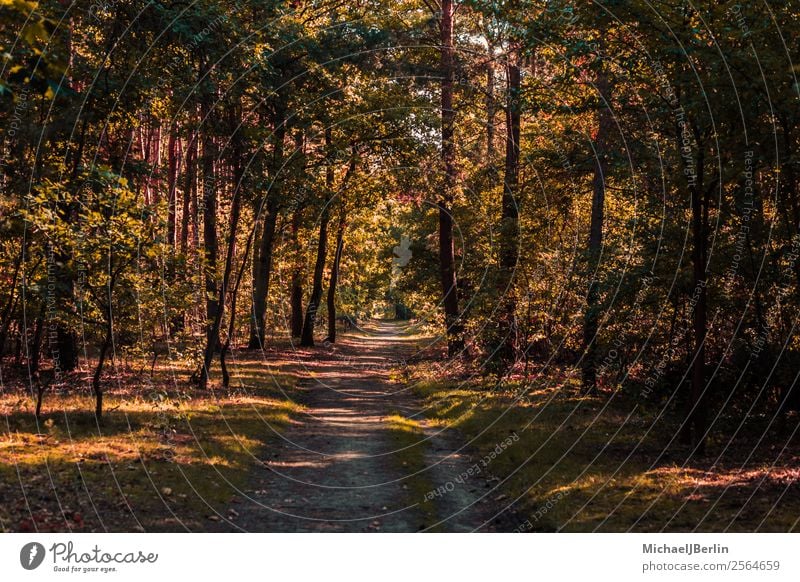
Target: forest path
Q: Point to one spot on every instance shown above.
(353, 462)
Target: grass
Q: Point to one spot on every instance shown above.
(581, 464)
(410, 448)
(169, 458)
(163, 459)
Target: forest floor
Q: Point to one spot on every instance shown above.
(376, 434)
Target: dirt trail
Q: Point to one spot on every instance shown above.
(348, 465)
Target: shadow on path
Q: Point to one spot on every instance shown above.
(356, 461)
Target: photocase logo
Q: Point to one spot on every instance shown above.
(402, 252)
(32, 555)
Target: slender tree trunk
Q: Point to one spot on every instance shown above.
(337, 256)
(213, 337)
(334, 277)
(262, 269)
(591, 313)
(172, 176)
(189, 183)
(195, 199)
(238, 176)
(262, 272)
(34, 356)
(210, 228)
(698, 413)
(508, 341)
(297, 278)
(97, 386)
(694, 427)
(307, 337)
(226, 379)
(447, 263)
(40, 386)
(491, 112)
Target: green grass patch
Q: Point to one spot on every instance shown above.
(590, 464)
(163, 459)
(408, 436)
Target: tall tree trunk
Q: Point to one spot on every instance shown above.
(334, 277)
(209, 193)
(209, 229)
(694, 426)
(172, 176)
(190, 182)
(195, 199)
(226, 379)
(262, 269)
(297, 278)
(491, 111)
(97, 386)
(108, 314)
(506, 350)
(697, 404)
(212, 339)
(307, 337)
(34, 355)
(447, 263)
(591, 312)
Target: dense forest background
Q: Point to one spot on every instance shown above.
(604, 194)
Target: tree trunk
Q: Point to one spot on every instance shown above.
(334, 277)
(447, 267)
(210, 228)
(491, 110)
(591, 313)
(189, 185)
(36, 347)
(232, 318)
(238, 176)
(262, 269)
(694, 426)
(97, 386)
(697, 404)
(506, 350)
(307, 338)
(297, 279)
(212, 339)
(172, 176)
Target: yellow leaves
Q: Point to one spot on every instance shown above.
(20, 5)
(35, 32)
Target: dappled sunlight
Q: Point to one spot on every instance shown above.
(158, 447)
(582, 465)
(398, 422)
(704, 482)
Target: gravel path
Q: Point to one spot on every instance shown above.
(348, 466)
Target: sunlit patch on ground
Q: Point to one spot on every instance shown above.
(164, 462)
(582, 465)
